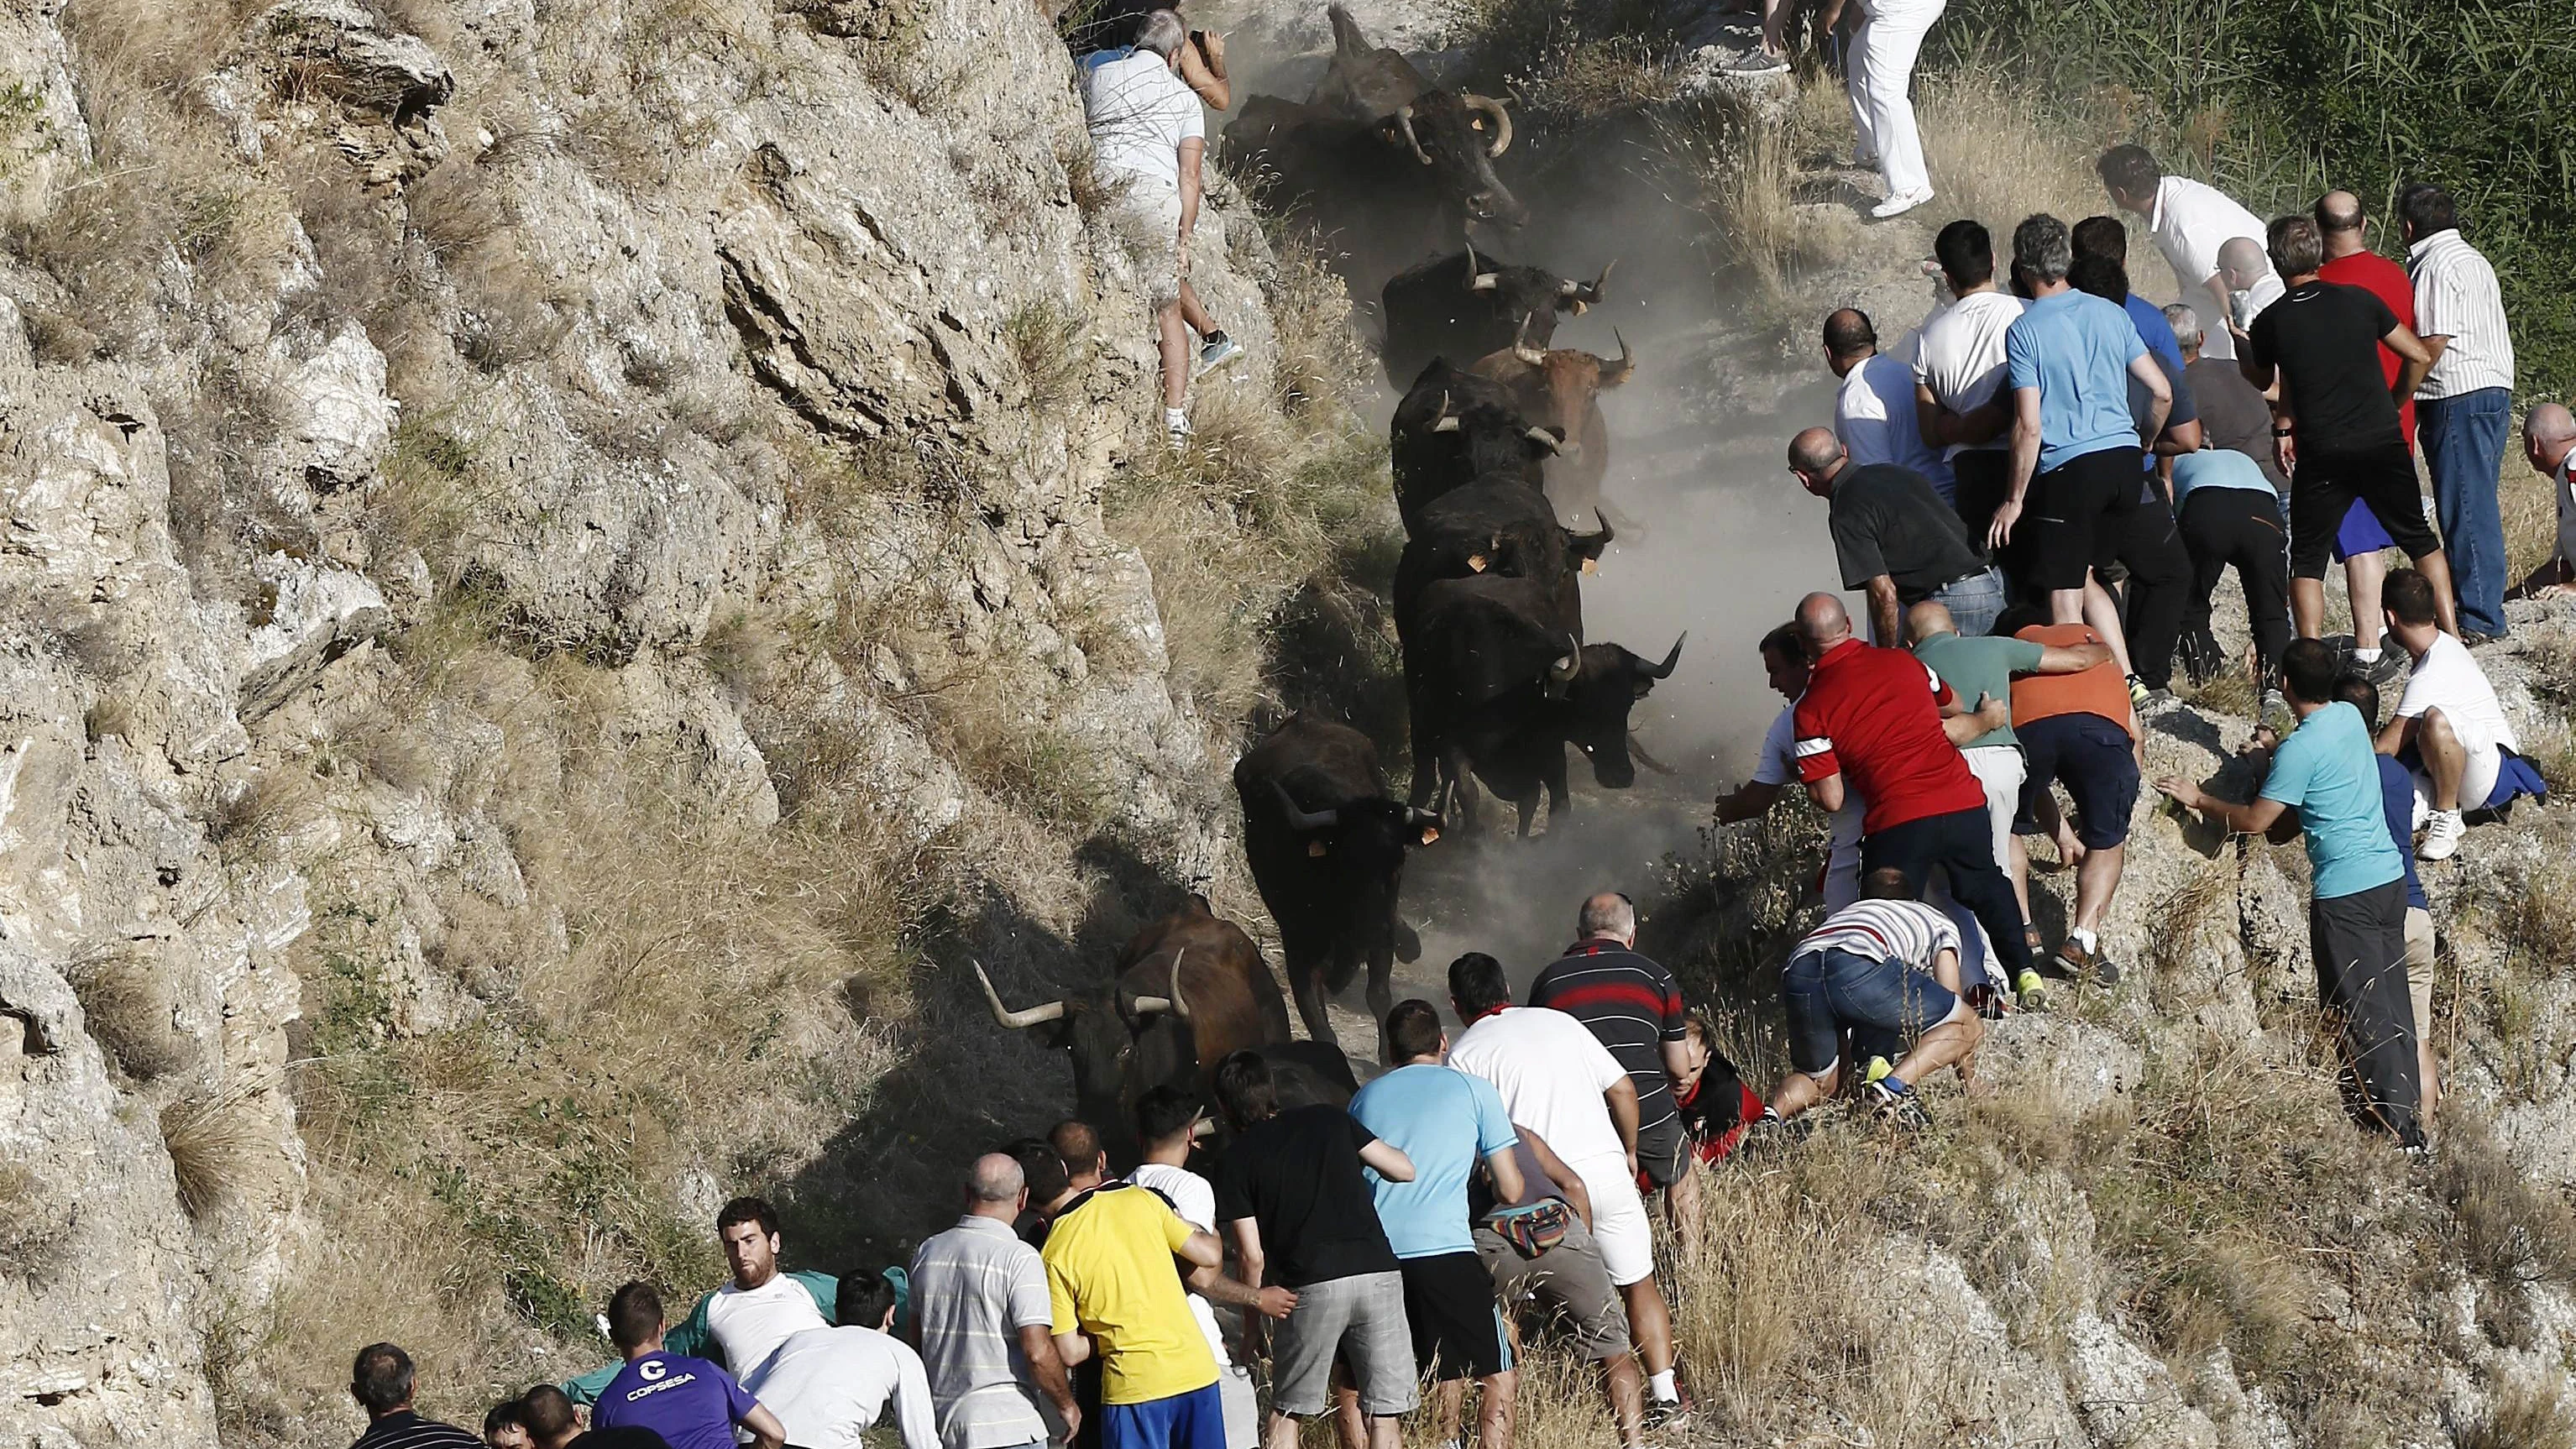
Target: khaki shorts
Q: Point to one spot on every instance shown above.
(2419, 968)
(1157, 219)
(1568, 1281)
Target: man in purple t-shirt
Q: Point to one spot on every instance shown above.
(690, 1402)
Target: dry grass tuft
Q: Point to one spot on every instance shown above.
(216, 1148)
(1998, 154)
(1049, 343)
(258, 812)
(2522, 1416)
(128, 1005)
(2507, 1228)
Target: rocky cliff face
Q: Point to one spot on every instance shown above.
(465, 467)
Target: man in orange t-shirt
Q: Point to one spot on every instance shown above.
(2079, 730)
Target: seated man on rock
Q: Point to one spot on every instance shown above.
(1885, 964)
(2448, 727)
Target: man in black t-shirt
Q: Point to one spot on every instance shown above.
(2335, 426)
(1303, 1217)
(1895, 539)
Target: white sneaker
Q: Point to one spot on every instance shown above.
(2442, 836)
(1901, 203)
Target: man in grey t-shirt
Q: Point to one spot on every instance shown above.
(983, 1323)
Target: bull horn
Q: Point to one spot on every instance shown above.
(1564, 668)
(1203, 1129)
(1015, 1020)
(1180, 1003)
(1615, 373)
(1591, 291)
(1529, 356)
(1665, 669)
(1444, 421)
(1422, 816)
(1404, 119)
(1637, 748)
(1479, 280)
(1554, 442)
(1502, 141)
(1304, 820)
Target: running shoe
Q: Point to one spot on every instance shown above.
(1757, 61)
(1179, 433)
(1900, 203)
(2080, 963)
(2030, 990)
(1898, 1109)
(1215, 351)
(1878, 1067)
(2442, 836)
(2387, 669)
(1665, 1414)
(2138, 692)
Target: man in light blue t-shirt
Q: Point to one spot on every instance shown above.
(2327, 772)
(2069, 359)
(1453, 1121)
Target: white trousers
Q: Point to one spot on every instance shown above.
(1878, 71)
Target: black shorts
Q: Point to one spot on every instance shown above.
(2324, 487)
(2091, 756)
(2070, 513)
(1457, 1331)
(1661, 1152)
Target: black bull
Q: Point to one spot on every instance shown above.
(1327, 847)
(1498, 687)
(1463, 305)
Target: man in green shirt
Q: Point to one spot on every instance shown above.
(1982, 669)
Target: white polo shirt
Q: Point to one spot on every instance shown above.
(1874, 417)
(2190, 222)
(2456, 297)
(1959, 355)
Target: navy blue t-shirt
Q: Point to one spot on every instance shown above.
(2397, 798)
(690, 1402)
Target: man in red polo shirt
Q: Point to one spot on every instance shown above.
(1873, 717)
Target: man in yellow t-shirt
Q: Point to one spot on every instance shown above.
(1115, 1291)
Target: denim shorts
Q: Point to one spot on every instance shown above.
(1831, 990)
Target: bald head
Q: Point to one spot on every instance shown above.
(1607, 915)
(1822, 624)
(994, 1185)
(2338, 214)
(2242, 262)
(2548, 436)
(1816, 455)
(1927, 619)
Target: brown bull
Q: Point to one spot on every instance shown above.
(1184, 991)
(1561, 388)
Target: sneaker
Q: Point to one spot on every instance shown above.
(1177, 429)
(2474, 638)
(2442, 836)
(2138, 692)
(1897, 1109)
(1664, 1414)
(1757, 61)
(1900, 203)
(1879, 1067)
(2030, 990)
(1215, 351)
(2387, 669)
(2080, 963)
(2275, 712)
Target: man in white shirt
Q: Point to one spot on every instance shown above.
(743, 1322)
(2252, 285)
(2449, 715)
(828, 1386)
(1874, 411)
(1960, 404)
(2190, 222)
(1557, 1079)
(2549, 446)
(1166, 1127)
(1148, 131)
(2465, 403)
(1878, 71)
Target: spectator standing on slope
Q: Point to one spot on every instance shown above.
(982, 1321)
(1114, 1292)
(2150, 550)
(1874, 407)
(1538, 1247)
(1886, 965)
(743, 1322)
(2337, 434)
(1167, 1122)
(2080, 730)
(2357, 892)
(1878, 71)
(2465, 400)
(829, 1386)
(2397, 802)
(381, 1379)
(1960, 402)
(1894, 538)
(690, 1402)
(2189, 221)
(1633, 1006)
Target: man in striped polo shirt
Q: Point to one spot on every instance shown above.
(1631, 1005)
(1883, 964)
(2465, 400)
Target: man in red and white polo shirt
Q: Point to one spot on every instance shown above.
(1871, 719)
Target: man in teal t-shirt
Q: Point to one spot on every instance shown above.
(2326, 772)
(1456, 1122)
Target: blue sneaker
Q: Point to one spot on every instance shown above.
(1216, 351)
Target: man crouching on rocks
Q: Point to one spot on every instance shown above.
(1148, 132)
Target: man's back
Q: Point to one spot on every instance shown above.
(2448, 678)
(1980, 667)
(1890, 520)
(1550, 1072)
(2233, 415)
(2076, 349)
(1960, 355)
(1631, 1005)
(2153, 329)
(1884, 930)
(1874, 716)
(1874, 417)
(1139, 114)
(2387, 281)
(1298, 1175)
(690, 1402)
(2325, 341)
(2190, 221)
(974, 1287)
(2456, 296)
(828, 1385)
(2100, 690)
(1110, 1274)
(1444, 1121)
(403, 1429)
(2326, 770)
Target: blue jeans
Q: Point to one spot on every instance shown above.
(1829, 990)
(1974, 602)
(2464, 446)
